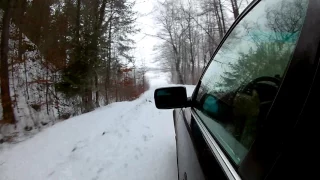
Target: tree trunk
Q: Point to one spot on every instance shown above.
(15, 102)
(78, 22)
(192, 58)
(102, 12)
(8, 113)
(109, 55)
(180, 77)
(116, 88)
(87, 100)
(20, 49)
(218, 19)
(97, 89)
(143, 81)
(177, 66)
(97, 33)
(235, 8)
(222, 18)
(26, 77)
(47, 87)
(184, 62)
(89, 95)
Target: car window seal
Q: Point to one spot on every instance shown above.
(223, 160)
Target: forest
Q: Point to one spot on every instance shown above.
(63, 58)
(60, 59)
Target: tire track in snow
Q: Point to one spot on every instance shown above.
(127, 140)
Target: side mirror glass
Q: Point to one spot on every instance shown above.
(171, 97)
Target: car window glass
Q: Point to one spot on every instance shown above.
(240, 84)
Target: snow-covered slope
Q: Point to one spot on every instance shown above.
(35, 101)
(126, 140)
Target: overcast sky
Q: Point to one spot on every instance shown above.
(145, 22)
(144, 44)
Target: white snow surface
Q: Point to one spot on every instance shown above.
(121, 141)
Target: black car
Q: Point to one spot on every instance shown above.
(254, 111)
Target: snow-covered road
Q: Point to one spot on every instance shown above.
(122, 141)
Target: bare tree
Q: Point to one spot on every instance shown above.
(192, 34)
(173, 31)
(235, 8)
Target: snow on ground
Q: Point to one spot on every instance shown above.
(125, 140)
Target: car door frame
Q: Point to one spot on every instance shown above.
(298, 79)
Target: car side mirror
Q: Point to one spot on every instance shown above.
(171, 97)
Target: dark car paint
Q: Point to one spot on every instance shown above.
(299, 158)
(272, 152)
(188, 163)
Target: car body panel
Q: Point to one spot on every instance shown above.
(299, 158)
(281, 119)
(188, 163)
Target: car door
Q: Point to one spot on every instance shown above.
(241, 110)
(188, 163)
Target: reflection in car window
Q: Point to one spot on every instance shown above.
(242, 80)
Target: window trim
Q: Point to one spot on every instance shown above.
(217, 152)
(219, 144)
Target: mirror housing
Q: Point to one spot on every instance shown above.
(171, 97)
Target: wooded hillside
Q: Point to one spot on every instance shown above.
(64, 58)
